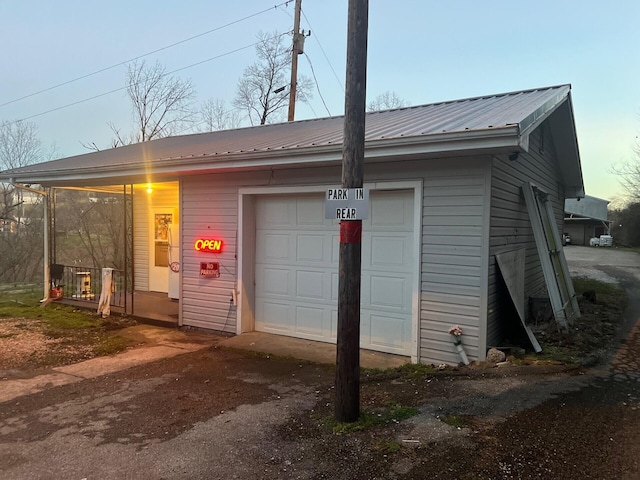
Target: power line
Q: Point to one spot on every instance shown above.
(139, 57)
(124, 88)
(315, 36)
(317, 85)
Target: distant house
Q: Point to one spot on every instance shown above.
(448, 239)
(585, 218)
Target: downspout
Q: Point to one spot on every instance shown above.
(45, 221)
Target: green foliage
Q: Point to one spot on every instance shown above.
(582, 285)
(457, 421)
(387, 446)
(111, 345)
(370, 419)
(416, 371)
(26, 304)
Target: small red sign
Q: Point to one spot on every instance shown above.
(209, 269)
(208, 245)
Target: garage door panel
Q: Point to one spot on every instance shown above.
(310, 322)
(274, 281)
(275, 317)
(386, 333)
(274, 213)
(311, 285)
(273, 247)
(391, 209)
(310, 248)
(388, 292)
(335, 250)
(388, 251)
(310, 212)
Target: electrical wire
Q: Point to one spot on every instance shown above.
(142, 56)
(317, 39)
(317, 85)
(124, 88)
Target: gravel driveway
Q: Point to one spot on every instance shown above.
(595, 262)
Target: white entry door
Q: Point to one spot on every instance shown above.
(159, 249)
(297, 254)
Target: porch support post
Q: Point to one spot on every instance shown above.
(45, 222)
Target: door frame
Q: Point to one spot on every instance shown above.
(246, 248)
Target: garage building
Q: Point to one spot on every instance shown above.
(447, 185)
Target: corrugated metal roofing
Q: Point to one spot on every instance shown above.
(450, 119)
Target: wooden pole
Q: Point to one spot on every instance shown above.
(294, 62)
(347, 407)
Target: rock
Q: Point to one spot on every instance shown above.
(589, 295)
(495, 356)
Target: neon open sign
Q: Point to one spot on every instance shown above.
(208, 245)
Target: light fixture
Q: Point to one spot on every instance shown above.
(149, 189)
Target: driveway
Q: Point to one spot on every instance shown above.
(220, 413)
(602, 263)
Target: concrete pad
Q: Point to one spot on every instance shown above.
(318, 352)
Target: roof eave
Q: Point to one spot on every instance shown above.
(393, 149)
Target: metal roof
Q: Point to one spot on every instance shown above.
(478, 124)
(589, 207)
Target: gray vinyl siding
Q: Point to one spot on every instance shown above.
(510, 226)
(209, 210)
(453, 246)
(166, 196)
(453, 259)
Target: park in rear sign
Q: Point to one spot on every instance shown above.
(347, 204)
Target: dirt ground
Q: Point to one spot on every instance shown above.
(218, 413)
(27, 344)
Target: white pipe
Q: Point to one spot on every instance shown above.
(47, 278)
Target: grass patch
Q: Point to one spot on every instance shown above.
(56, 316)
(416, 371)
(111, 345)
(582, 285)
(369, 419)
(387, 446)
(457, 421)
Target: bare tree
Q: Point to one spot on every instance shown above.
(386, 101)
(21, 212)
(216, 116)
(162, 104)
(93, 228)
(629, 176)
(262, 90)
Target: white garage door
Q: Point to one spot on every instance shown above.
(297, 253)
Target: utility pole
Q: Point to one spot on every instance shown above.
(295, 51)
(349, 271)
